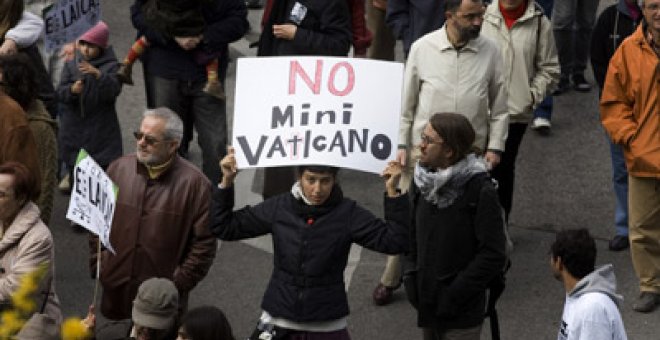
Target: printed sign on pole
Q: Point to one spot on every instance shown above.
(93, 198)
(317, 110)
(66, 20)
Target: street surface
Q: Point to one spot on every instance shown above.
(563, 181)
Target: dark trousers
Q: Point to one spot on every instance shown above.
(336, 335)
(504, 172)
(194, 106)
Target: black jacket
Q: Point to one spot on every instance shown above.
(325, 29)
(614, 25)
(455, 252)
(89, 120)
(307, 283)
(409, 20)
(226, 22)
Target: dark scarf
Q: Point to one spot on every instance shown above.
(312, 212)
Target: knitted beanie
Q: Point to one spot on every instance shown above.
(97, 35)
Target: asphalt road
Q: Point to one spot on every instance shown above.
(563, 181)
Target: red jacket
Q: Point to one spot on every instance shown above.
(629, 104)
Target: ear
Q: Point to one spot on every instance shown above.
(449, 153)
(175, 146)
(557, 264)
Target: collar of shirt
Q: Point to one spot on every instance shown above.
(445, 44)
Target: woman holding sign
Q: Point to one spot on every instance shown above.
(25, 242)
(313, 227)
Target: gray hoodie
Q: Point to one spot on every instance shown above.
(591, 311)
(601, 280)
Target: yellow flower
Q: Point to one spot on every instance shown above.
(23, 297)
(10, 323)
(74, 329)
(12, 320)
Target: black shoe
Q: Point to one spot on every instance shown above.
(647, 302)
(619, 243)
(563, 87)
(580, 84)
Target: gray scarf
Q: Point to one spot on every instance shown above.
(443, 186)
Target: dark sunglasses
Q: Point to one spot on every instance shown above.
(147, 139)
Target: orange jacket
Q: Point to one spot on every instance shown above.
(629, 105)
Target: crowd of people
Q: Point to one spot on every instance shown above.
(477, 76)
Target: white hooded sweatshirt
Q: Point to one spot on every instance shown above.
(591, 311)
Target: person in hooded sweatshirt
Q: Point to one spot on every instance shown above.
(87, 93)
(591, 307)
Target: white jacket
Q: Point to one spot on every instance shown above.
(27, 244)
(531, 66)
(27, 31)
(468, 81)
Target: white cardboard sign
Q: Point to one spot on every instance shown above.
(93, 198)
(317, 110)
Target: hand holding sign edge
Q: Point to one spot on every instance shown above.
(229, 168)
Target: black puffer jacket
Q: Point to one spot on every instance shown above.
(310, 255)
(455, 252)
(89, 120)
(614, 25)
(324, 30)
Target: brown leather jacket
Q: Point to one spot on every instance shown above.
(160, 229)
(16, 140)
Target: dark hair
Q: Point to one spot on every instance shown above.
(11, 12)
(19, 79)
(577, 250)
(319, 169)
(207, 323)
(456, 132)
(454, 5)
(25, 188)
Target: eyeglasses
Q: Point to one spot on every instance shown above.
(427, 140)
(652, 7)
(149, 140)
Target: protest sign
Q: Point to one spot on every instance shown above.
(316, 110)
(66, 20)
(93, 198)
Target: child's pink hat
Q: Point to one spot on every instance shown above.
(97, 35)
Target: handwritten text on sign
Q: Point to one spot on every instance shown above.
(66, 20)
(317, 110)
(93, 198)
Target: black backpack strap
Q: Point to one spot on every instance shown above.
(497, 285)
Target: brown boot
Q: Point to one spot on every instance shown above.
(125, 74)
(215, 89)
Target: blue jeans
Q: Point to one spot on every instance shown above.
(572, 22)
(207, 113)
(620, 183)
(545, 108)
